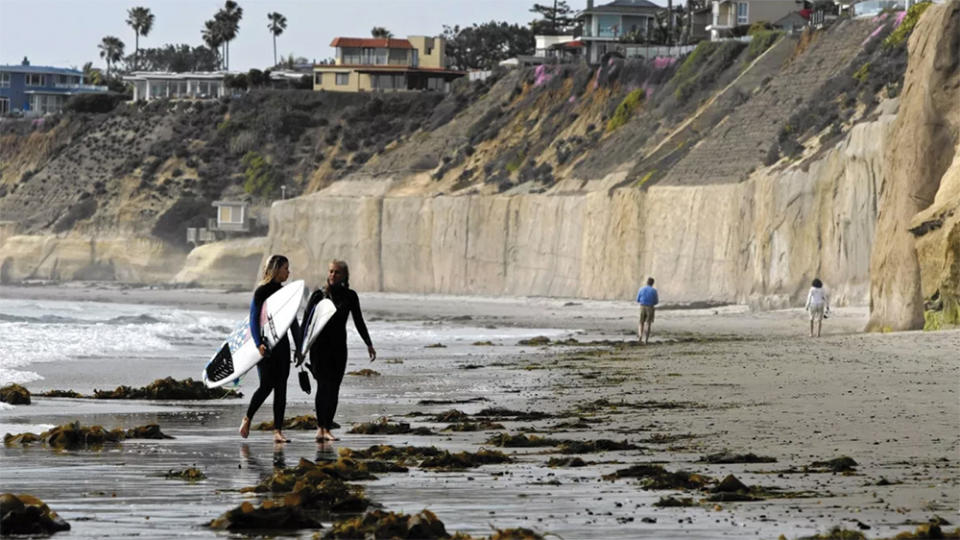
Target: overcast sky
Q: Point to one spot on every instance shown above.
(65, 33)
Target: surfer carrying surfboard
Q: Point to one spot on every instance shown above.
(275, 366)
(328, 354)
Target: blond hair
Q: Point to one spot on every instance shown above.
(272, 268)
(342, 265)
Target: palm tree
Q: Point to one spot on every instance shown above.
(141, 20)
(381, 32)
(213, 36)
(278, 23)
(229, 17)
(111, 49)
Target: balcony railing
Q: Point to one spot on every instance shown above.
(90, 87)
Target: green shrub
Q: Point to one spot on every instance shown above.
(262, 178)
(762, 40)
(625, 109)
(899, 36)
(93, 103)
(862, 73)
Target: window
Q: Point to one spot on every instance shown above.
(4, 105)
(343, 79)
(34, 79)
(229, 214)
(5, 79)
(318, 78)
(742, 8)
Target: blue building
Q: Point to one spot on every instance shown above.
(37, 90)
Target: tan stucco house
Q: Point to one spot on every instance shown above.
(385, 65)
(728, 14)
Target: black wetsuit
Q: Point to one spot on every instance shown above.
(275, 367)
(328, 354)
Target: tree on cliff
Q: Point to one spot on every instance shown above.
(381, 32)
(278, 23)
(219, 31)
(556, 20)
(178, 58)
(141, 20)
(111, 49)
(484, 46)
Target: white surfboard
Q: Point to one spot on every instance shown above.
(314, 322)
(238, 353)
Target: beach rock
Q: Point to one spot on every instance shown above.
(730, 484)
(27, 515)
(168, 388)
(380, 524)
(15, 394)
(269, 515)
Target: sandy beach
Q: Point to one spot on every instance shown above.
(711, 380)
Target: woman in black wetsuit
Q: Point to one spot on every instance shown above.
(275, 367)
(328, 354)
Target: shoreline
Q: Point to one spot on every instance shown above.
(724, 378)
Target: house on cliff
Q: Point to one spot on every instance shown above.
(149, 85)
(38, 90)
(386, 65)
(604, 25)
(729, 14)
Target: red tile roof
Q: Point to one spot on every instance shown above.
(376, 43)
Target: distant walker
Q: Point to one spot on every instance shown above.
(647, 298)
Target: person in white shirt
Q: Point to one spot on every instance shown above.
(818, 305)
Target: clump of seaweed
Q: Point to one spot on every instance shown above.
(365, 372)
(384, 427)
(483, 425)
(168, 388)
(74, 436)
(520, 441)
(190, 474)
(600, 445)
(465, 460)
(14, 394)
(727, 457)
(566, 462)
(27, 515)
(380, 524)
(656, 477)
(502, 413)
(306, 421)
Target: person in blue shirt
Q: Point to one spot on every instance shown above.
(647, 298)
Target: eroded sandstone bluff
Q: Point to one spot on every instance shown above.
(736, 174)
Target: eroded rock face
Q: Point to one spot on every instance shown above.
(916, 253)
(26, 514)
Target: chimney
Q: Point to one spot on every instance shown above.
(589, 4)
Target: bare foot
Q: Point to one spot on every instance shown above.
(320, 435)
(245, 427)
(330, 436)
(279, 438)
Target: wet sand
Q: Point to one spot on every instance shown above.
(724, 379)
